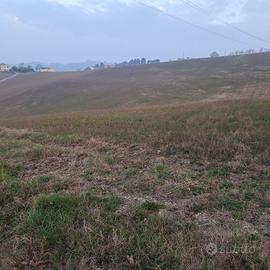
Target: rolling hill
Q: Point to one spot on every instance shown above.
(172, 82)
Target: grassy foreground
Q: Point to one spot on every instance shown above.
(180, 187)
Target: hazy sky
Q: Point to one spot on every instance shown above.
(116, 30)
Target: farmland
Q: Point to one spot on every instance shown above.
(178, 179)
(161, 84)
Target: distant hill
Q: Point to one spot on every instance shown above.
(165, 83)
(74, 66)
(67, 67)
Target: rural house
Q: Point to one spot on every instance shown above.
(45, 69)
(4, 68)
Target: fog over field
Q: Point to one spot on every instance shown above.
(65, 31)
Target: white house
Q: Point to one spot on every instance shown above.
(45, 69)
(4, 68)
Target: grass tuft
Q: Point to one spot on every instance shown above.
(163, 173)
(8, 172)
(151, 206)
(52, 219)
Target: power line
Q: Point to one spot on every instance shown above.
(190, 23)
(208, 13)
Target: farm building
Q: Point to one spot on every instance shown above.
(4, 68)
(45, 69)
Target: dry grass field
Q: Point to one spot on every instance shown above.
(176, 186)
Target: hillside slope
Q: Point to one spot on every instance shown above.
(177, 187)
(4, 75)
(194, 80)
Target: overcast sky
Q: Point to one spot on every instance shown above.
(116, 30)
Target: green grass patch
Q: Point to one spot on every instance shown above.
(15, 200)
(53, 219)
(197, 190)
(233, 204)
(193, 175)
(249, 196)
(8, 172)
(88, 175)
(13, 147)
(65, 139)
(151, 206)
(39, 137)
(107, 158)
(109, 203)
(76, 226)
(59, 185)
(163, 173)
(130, 172)
(226, 185)
(147, 210)
(218, 172)
(45, 178)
